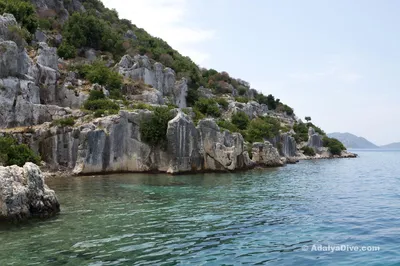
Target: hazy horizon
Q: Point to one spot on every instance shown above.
(335, 61)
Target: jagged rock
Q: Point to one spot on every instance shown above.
(180, 93)
(205, 93)
(8, 59)
(266, 155)
(130, 35)
(289, 148)
(6, 21)
(140, 68)
(150, 96)
(251, 109)
(23, 194)
(47, 56)
(58, 8)
(314, 139)
(40, 36)
(221, 151)
(183, 145)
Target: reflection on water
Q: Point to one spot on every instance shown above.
(257, 217)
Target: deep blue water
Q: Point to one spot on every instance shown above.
(264, 217)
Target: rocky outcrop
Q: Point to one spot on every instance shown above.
(221, 151)
(183, 145)
(163, 79)
(57, 8)
(288, 145)
(252, 109)
(23, 194)
(265, 154)
(314, 139)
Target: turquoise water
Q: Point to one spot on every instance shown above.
(258, 217)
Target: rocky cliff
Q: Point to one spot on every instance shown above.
(38, 88)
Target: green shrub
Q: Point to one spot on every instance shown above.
(223, 103)
(240, 120)
(242, 90)
(12, 153)
(333, 145)
(242, 99)
(317, 129)
(66, 51)
(64, 122)
(262, 128)
(308, 151)
(96, 95)
(101, 74)
(87, 30)
(224, 124)
(301, 132)
(23, 11)
(208, 107)
(45, 24)
(102, 107)
(153, 130)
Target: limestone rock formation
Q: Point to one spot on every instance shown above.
(314, 139)
(266, 155)
(140, 68)
(23, 194)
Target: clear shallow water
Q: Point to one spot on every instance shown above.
(258, 217)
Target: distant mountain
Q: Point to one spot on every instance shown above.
(391, 146)
(353, 142)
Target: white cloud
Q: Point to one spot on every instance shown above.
(168, 20)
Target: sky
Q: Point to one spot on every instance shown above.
(336, 61)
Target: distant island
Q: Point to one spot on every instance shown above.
(352, 141)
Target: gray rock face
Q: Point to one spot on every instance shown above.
(251, 109)
(183, 145)
(205, 93)
(289, 148)
(221, 151)
(266, 155)
(6, 21)
(8, 59)
(24, 194)
(58, 7)
(180, 93)
(47, 56)
(130, 35)
(314, 139)
(114, 144)
(139, 68)
(40, 36)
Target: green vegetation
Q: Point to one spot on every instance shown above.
(308, 118)
(240, 120)
(262, 128)
(101, 74)
(224, 124)
(241, 99)
(308, 151)
(334, 145)
(143, 106)
(87, 30)
(242, 90)
(153, 130)
(98, 103)
(301, 130)
(223, 103)
(207, 107)
(64, 122)
(23, 11)
(12, 153)
(66, 51)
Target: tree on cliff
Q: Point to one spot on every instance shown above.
(308, 118)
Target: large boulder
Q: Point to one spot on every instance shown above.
(265, 154)
(24, 194)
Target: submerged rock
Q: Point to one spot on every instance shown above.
(23, 194)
